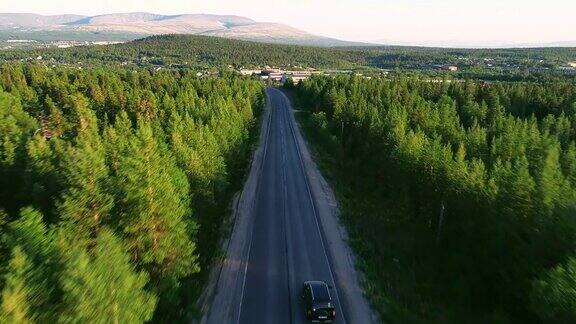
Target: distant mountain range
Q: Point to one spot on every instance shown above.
(141, 24)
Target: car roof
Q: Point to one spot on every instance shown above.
(319, 291)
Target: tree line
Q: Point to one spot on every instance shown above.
(113, 189)
(205, 52)
(460, 195)
(199, 52)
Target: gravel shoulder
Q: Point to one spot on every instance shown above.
(220, 300)
(335, 236)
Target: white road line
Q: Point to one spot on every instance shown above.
(287, 101)
(285, 216)
(252, 209)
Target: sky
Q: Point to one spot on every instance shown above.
(423, 22)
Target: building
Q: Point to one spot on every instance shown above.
(568, 70)
(296, 76)
(445, 67)
(272, 74)
(276, 76)
(282, 76)
(250, 72)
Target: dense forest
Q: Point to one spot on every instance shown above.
(204, 52)
(200, 52)
(460, 196)
(113, 188)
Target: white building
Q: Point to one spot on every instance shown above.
(296, 76)
(250, 72)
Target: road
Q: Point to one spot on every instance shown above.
(286, 231)
(286, 247)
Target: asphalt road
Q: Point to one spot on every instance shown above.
(286, 246)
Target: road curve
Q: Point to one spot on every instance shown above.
(282, 239)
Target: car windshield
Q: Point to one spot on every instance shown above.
(321, 293)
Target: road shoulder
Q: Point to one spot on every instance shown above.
(335, 237)
(220, 300)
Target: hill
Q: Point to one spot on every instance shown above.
(197, 52)
(207, 52)
(23, 20)
(141, 24)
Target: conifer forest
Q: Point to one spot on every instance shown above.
(113, 187)
(460, 195)
(119, 168)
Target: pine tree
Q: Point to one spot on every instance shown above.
(56, 124)
(552, 185)
(116, 141)
(16, 128)
(198, 154)
(22, 294)
(30, 233)
(553, 296)
(516, 189)
(44, 175)
(29, 293)
(85, 202)
(156, 213)
(101, 286)
(569, 164)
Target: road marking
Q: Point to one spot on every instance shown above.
(285, 215)
(287, 102)
(252, 209)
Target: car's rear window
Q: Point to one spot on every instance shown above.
(321, 293)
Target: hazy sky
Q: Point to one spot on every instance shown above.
(422, 21)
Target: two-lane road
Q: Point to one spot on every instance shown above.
(285, 232)
(286, 247)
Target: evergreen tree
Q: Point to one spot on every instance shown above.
(552, 185)
(553, 295)
(569, 164)
(16, 127)
(517, 189)
(101, 286)
(85, 202)
(24, 292)
(29, 295)
(30, 234)
(156, 213)
(44, 176)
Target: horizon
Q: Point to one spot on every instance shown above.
(413, 23)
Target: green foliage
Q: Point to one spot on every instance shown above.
(154, 198)
(28, 292)
(24, 291)
(101, 286)
(16, 127)
(122, 169)
(85, 203)
(198, 52)
(211, 53)
(29, 232)
(554, 293)
(457, 194)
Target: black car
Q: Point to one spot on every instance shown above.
(318, 305)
